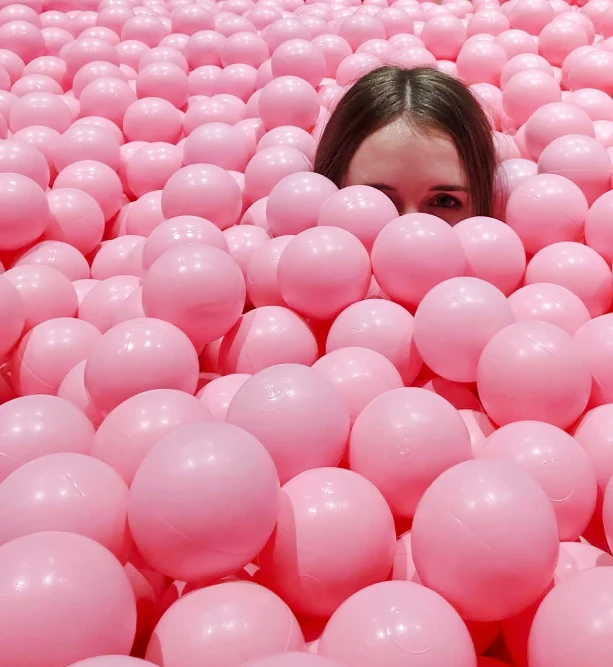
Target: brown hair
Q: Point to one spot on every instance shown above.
(429, 100)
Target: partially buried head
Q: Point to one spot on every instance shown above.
(417, 135)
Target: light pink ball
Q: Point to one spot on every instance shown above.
(27, 153)
(481, 62)
(164, 80)
(243, 241)
(581, 159)
(283, 29)
(402, 475)
(560, 38)
(261, 278)
(75, 493)
(355, 520)
(524, 61)
(59, 255)
(73, 390)
(86, 142)
(593, 339)
(531, 15)
(203, 190)
(217, 395)
(191, 18)
(375, 622)
(269, 166)
(152, 119)
(287, 135)
(244, 48)
(299, 58)
(208, 462)
(114, 373)
(23, 39)
(25, 211)
(578, 268)
(113, 256)
(199, 288)
(46, 294)
(288, 100)
(592, 70)
(13, 312)
(219, 144)
(493, 252)
(67, 566)
(549, 303)
(144, 28)
(527, 91)
(382, 326)
(597, 105)
(533, 370)
(597, 231)
(242, 621)
(454, 322)
(444, 35)
(265, 337)
(493, 493)
(135, 426)
(557, 462)
(102, 305)
(545, 209)
(308, 428)
(413, 253)
(151, 166)
(76, 219)
(322, 271)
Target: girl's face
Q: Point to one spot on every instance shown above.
(420, 172)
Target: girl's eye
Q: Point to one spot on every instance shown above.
(446, 201)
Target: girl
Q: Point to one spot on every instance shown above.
(417, 135)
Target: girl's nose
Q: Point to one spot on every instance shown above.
(410, 208)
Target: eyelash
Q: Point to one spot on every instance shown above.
(455, 203)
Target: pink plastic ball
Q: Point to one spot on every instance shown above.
(264, 337)
(522, 62)
(414, 253)
(217, 395)
(382, 326)
(113, 256)
(45, 292)
(288, 100)
(554, 640)
(375, 622)
(545, 209)
(269, 166)
(295, 660)
(150, 167)
(55, 39)
(203, 80)
(86, 142)
(238, 80)
(307, 429)
(96, 179)
(549, 303)
(219, 144)
(244, 48)
(92, 71)
(335, 49)
(597, 105)
(59, 255)
(454, 322)
(282, 30)
(593, 339)
(560, 38)
(93, 500)
(400, 475)
(296, 201)
(203, 190)
(581, 159)
(199, 288)
(556, 462)
(40, 108)
(592, 70)
(527, 91)
(481, 62)
(261, 278)
(130, 52)
(243, 241)
(143, 421)
(288, 135)
(114, 373)
(531, 15)
(493, 252)
(202, 543)
(597, 233)
(13, 311)
(487, 21)
(444, 35)
(322, 271)
(204, 48)
(23, 39)
(34, 426)
(34, 83)
(166, 54)
(152, 119)
(143, 215)
(355, 66)
(214, 109)
(299, 58)
(48, 351)
(144, 28)
(357, 520)
(83, 51)
(578, 268)
(533, 370)
(241, 621)
(493, 493)
(25, 211)
(67, 567)
(163, 80)
(19, 157)
(191, 18)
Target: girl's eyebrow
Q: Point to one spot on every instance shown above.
(380, 186)
(449, 188)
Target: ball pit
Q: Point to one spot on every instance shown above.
(256, 411)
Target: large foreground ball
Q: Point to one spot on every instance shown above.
(44, 580)
(294, 660)
(25, 211)
(397, 623)
(231, 623)
(138, 355)
(533, 370)
(204, 502)
(298, 415)
(573, 625)
(403, 440)
(112, 661)
(557, 462)
(335, 535)
(129, 431)
(454, 322)
(493, 523)
(67, 492)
